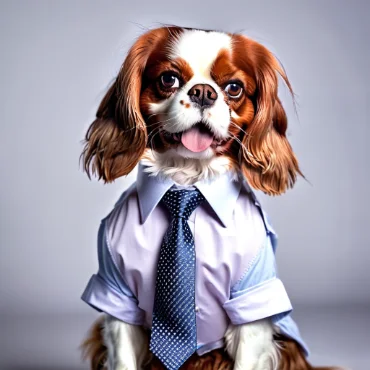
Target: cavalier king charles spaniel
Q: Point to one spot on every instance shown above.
(195, 104)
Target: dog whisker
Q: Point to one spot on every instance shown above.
(238, 127)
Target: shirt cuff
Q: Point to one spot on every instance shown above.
(263, 300)
(104, 299)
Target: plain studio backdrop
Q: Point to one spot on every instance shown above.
(57, 60)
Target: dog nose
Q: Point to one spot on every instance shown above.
(203, 94)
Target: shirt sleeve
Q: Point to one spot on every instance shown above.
(259, 293)
(107, 291)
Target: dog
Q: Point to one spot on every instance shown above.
(195, 109)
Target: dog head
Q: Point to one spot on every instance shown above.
(195, 94)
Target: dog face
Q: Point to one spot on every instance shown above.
(195, 94)
(187, 110)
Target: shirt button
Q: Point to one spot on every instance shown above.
(196, 309)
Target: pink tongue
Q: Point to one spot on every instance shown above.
(195, 140)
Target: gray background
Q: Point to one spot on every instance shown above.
(57, 59)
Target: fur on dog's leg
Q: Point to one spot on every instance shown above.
(93, 347)
(113, 344)
(252, 346)
(127, 345)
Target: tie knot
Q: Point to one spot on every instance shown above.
(182, 203)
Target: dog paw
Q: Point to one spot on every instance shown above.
(123, 367)
(246, 364)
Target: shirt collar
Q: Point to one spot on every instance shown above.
(221, 193)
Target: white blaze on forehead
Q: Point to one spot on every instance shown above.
(200, 49)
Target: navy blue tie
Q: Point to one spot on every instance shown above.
(174, 334)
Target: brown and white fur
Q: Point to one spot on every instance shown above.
(223, 86)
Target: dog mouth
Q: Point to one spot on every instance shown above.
(196, 139)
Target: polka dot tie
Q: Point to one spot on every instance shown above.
(174, 335)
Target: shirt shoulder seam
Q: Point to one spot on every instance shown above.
(109, 247)
(252, 262)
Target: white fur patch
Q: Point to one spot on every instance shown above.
(127, 345)
(185, 171)
(200, 49)
(252, 346)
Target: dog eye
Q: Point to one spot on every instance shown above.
(169, 81)
(234, 90)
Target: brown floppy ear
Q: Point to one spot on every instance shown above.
(116, 140)
(267, 159)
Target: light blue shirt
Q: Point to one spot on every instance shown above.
(236, 277)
